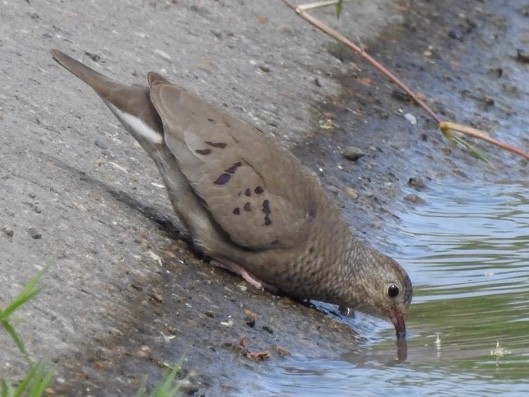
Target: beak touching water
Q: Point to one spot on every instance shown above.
(397, 318)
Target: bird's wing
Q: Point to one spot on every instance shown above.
(257, 192)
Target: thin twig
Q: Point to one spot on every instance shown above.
(342, 39)
(446, 127)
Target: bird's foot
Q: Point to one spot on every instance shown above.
(245, 274)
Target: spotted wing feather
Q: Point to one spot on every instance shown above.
(253, 189)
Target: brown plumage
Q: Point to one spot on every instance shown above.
(248, 203)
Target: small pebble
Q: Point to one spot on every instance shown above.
(162, 54)
(411, 118)
(217, 34)
(352, 153)
(249, 313)
(413, 198)
(249, 321)
(352, 193)
(417, 182)
(522, 56)
(456, 35)
(488, 101)
(100, 144)
(282, 351)
(333, 189)
(498, 72)
(8, 231)
(157, 297)
(428, 53)
(34, 233)
(94, 57)
(401, 96)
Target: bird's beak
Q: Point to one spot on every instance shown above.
(397, 318)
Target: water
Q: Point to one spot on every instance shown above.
(471, 249)
(467, 251)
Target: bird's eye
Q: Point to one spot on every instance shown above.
(393, 291)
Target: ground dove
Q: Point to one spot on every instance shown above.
(248, 203)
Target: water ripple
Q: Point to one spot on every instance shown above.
(467, 251)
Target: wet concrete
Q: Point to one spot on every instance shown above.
(125, 294)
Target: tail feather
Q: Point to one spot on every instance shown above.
(100, 83)
(132, 105)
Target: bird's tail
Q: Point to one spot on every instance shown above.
(101, 84)
(132, 105)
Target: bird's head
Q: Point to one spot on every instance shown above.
(381, 287)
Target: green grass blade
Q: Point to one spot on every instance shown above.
(6, 390)
(28, 292)
(41, 380)
(34, 383)
(166, 387)
(18, 342)
(22, 386)
(339, 7)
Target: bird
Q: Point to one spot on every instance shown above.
(248, 203)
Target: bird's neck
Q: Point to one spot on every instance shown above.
(340, 259)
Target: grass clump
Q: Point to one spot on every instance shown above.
(37, 379)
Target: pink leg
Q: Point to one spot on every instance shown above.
(245, 274)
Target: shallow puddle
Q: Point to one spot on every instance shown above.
(467, 251)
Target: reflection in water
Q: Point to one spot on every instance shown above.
(467, 251)
(469, 255)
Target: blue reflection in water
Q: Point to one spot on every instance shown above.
(467, 236)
